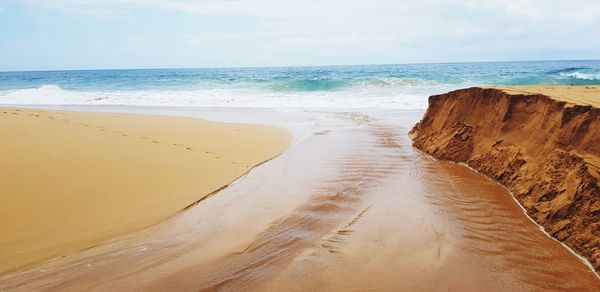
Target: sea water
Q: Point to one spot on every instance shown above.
(366, 86)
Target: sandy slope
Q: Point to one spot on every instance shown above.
(71, 180)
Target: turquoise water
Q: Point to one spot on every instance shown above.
(368, 86)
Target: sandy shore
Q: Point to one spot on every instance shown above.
(351, 206)
(583, 95)
(71, 180)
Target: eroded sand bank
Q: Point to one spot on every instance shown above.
(351, 206)
(71, 180)
(541, 142)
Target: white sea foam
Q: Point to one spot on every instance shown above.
(405, 96)
(583, 76)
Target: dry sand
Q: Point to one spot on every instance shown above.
(70, 180)
(584, 95)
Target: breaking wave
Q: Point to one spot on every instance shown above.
(352, 97)
(582, 76)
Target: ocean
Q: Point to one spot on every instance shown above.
(366, 86)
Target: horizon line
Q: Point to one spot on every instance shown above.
(297, 66)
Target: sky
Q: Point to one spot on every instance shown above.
(96, 34)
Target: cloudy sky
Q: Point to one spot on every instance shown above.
(85, 34)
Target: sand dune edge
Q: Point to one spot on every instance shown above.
(71, 180)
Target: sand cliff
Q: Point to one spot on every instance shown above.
(543, 143)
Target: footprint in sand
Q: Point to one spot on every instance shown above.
(154, 141)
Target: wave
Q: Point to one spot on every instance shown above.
(582, 76)
(580, 73)
(329, 84)
(309, 85)
(352, 96)
(566, 70)
(393, 82)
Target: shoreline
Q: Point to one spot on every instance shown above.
(583, 260)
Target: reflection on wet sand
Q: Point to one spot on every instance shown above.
(353, 207)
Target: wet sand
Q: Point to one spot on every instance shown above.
(351, 206)
(70, 180)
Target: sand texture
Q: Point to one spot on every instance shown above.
(70, 180)
(542, 142)
(582, 95)
(350, 207)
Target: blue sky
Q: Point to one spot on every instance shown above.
(88, 34)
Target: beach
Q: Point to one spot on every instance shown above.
(245, 145)
(351, 205)
(72, 180)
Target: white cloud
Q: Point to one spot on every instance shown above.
(588, 15)
(523, 8)
(394, 30)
